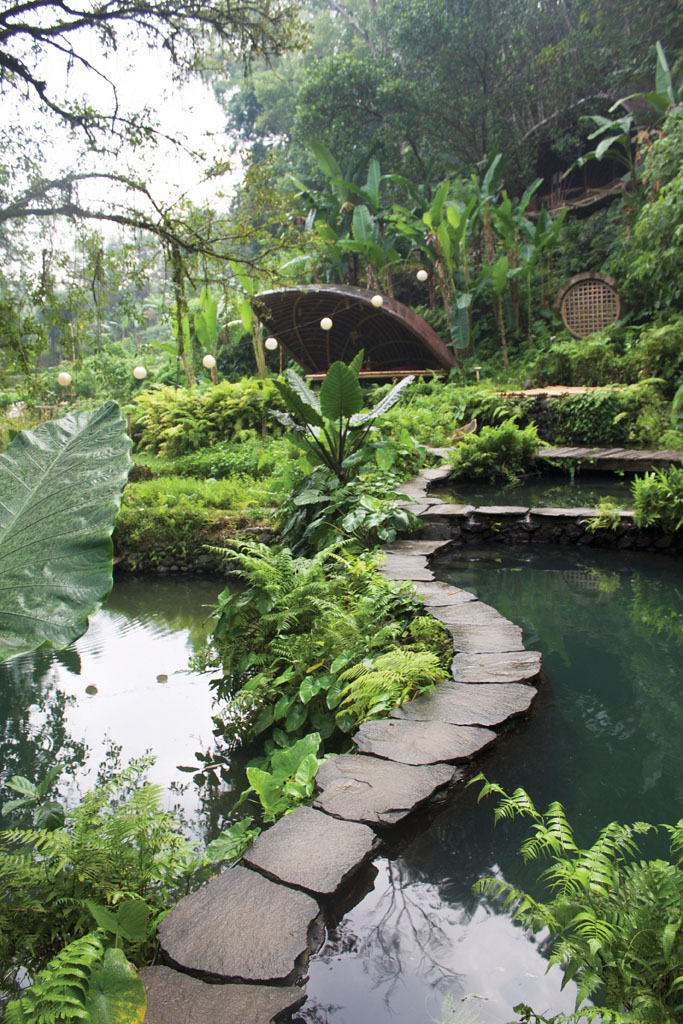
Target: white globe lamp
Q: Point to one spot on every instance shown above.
(271, 344)
(377, 301)
(139, 373)
(422, 275)
(63, 379)
(326, 323)
(208, 361)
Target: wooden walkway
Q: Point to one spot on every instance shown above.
(628, 460)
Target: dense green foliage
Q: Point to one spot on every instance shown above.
(615, 919)
(115, 864)
(658, 499)
(499, 454)
(285, 641)
(175, 421)
(172, 519)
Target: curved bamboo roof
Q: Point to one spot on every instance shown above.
(394, 337)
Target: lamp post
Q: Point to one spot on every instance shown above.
(326, 324)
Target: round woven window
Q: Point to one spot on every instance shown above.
(588, 303)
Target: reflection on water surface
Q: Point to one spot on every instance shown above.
(604, 738)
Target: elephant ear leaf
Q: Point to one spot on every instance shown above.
(340, 393)
(60, 491)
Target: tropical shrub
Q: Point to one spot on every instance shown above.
(499, 454)
(615, 919)
(174, 421)
(322, 511)
(635, 415)
(654, 263)
(285, 640)
(331, 428)
(617, 355)
(658, 499)
(433, 411)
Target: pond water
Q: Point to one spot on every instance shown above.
(604, 738)
(122, 690)
(551, 490)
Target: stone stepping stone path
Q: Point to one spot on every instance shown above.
(360, 788)
(250, 931)
(284, 851)
(173, 997)
(240, 927)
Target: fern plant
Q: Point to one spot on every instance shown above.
(376, 685)
(658, 499)
(117, 862)
(615, 919)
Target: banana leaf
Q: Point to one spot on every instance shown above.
(60, 490)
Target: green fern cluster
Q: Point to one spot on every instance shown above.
(174, 421)
(116, 846)
(285, 640)
(85, 982)
(499, 454)
(376, 685)
(616, 920)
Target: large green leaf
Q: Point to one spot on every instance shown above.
(60, 490)
(116, 994)
(340, 393)
(306, 413)
(362, 225)
(384, 404)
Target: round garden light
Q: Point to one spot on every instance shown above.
(63, 379)
(422, 275)
(139, 373)
(377, 301)
(326, 323)
(271, 344)
(208, 361)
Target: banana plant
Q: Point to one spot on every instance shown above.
(332, 426)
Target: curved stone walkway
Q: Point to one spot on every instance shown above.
(238, 946)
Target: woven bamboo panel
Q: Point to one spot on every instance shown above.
(589, 303)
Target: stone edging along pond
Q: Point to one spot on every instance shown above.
(237, 949)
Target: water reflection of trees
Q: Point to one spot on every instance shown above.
(403, 932)
(33, 733)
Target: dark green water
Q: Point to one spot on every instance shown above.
(584, 490)
(604, 738)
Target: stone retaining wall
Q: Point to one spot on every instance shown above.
(513, 524)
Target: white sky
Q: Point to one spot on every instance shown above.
(143, 78)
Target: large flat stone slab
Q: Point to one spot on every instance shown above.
(311, 850)
(413, 547)
(447, 509)
(175, 998)
(470, 613)
(510, 667)
(421, 742)
(473, 639)
(502, 510)
(368, 789)
(406, 567)
(469, 704)
(240, 926)
(442, 595)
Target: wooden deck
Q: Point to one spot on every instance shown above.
(627, 460)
